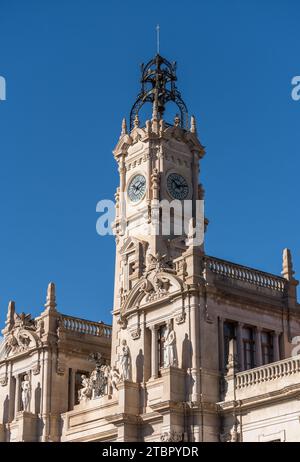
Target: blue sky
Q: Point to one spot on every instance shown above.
(72, 73)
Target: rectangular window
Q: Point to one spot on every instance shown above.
(249, 348)
(267, 347)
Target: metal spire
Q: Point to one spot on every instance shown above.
(159, 87)
(157, 38)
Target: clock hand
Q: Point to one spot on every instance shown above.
(178, 186)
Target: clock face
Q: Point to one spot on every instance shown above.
(137, 188)
(177, 186)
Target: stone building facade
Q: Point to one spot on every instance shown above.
(200, 349)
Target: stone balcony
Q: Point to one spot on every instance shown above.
(233, 278)
(264, 383)
(83, 326)
(89, 336)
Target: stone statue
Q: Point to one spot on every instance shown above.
(25, 386)
(99, 380)
(85, 392)
(113, 380)
(125, 361)
(170, 346)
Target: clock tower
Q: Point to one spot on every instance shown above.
(159, 227)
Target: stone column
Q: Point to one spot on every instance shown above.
(194, 332)
(17, 395)
(149, 182)
(195, 339)
(258, 350)
(221, 344)
(276, 350)
(154, 353)
(45, 396)
(240, 346)
(122, 201)
(195, 179)
(11, 394)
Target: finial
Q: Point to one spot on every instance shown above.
(136, 122)
(193, 125)
(287, 265)
(177, 120)
(148, 126)
(157, 38)
(51, 299)
(124, 127)
(10, 315)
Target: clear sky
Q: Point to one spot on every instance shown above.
(72, 73)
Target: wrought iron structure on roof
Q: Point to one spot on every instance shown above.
(159, 87)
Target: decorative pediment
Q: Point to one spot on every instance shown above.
(154, 286)
(21, 338)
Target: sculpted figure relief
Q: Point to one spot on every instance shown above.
(25, 386)
(170, 358)
(85, 392)
(104, 380)
(113, 380)
(125, 363)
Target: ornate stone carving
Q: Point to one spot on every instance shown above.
(103, 380)
(99, 379)
(85, 392)
(23, 320)
(160, 288)
(180, 319)
(122, 322)
(155, 183)
(113, 380)
(36, 369)
(40, 327)
(4, 381)
(22, 334)
(158, 262)
(171, 437)
(60, 327)
(135, 334)
(60, 367)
